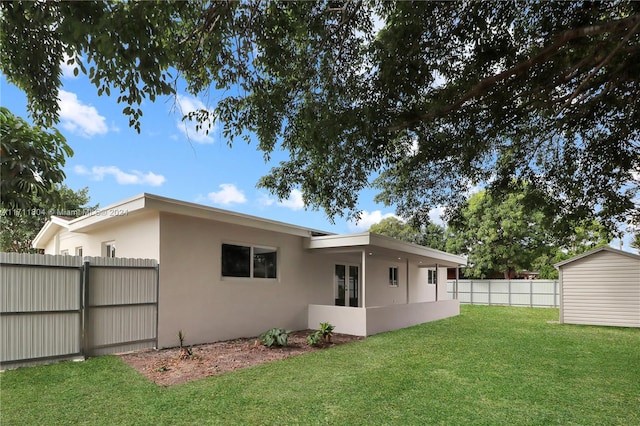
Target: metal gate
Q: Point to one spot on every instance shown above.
(66, 307)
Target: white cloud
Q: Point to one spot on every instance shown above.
(135, 177)
(371, 218)
(435, 215)
(367, 219)
(265, 200)
(186, 105)
(79, 118)
(294, 202)
(228, 194)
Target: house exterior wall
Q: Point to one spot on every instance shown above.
(378, 290)
(601, 289)
(194, 296)
(135, 236)
(421, 291)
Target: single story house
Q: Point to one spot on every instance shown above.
(226, 275)
(600, 287)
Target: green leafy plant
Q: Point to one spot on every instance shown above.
(275, 337)
(326, 330)
(315, 338)
(324, 334)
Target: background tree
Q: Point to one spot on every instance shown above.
(588, 235)
(498, 235)
(430, 235)
(31, 161)
(445, 95)
(18, 227)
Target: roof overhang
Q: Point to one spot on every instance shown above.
(48, 231)
(375, 245)
(148, 202)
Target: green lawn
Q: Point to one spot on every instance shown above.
(490, 365)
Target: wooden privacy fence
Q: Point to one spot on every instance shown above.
(66, 307)
(532, 293)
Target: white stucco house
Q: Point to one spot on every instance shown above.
(226, 275)
(600, 287)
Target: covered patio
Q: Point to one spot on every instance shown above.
(382, 284)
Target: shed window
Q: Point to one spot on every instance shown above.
(249, 262)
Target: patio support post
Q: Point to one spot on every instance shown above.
(457, 278)
(437, 280)
(407, 281)
(364, 279)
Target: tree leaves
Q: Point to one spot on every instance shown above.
(20, 226)
(31, 162)
(445, 96)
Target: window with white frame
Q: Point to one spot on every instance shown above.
(432, 276)
(109, 249)
(393, 276)
(78, 251)
(64, 252)
(249, 262)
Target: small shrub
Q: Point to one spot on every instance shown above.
(315, 338)
(326, 330)
(322, 335)
(275, 337)
(185, 353)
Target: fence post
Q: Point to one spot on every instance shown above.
(157, 303)
(555, 293)
(85, 309)
(81, 310)
(531, 293)
(489, 292)
(509, 290)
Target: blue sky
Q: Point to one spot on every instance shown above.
(170, 158)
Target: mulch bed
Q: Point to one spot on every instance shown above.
(168, 367)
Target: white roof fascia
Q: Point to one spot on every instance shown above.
(53, 225)
(169, 205)
(369, 240)
(594, 251)
(116, 210)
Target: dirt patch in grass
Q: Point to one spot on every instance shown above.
(168, 367)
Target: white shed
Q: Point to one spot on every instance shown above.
(600, 287)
